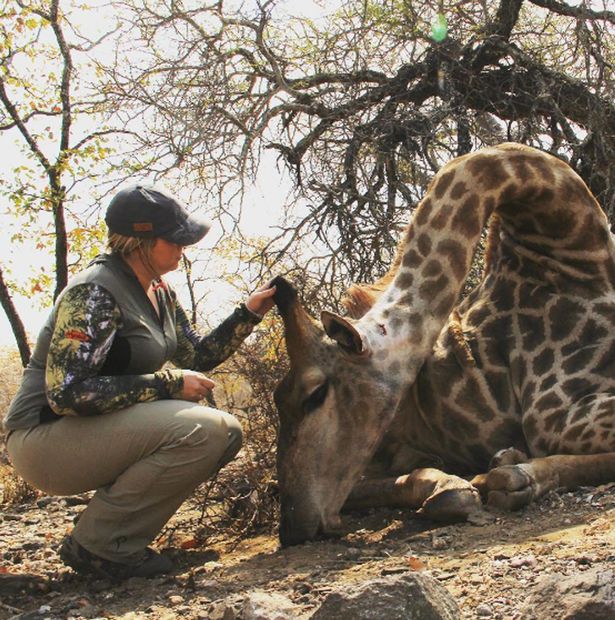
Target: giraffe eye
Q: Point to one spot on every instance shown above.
(316, 398)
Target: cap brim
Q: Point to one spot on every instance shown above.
(191, 231)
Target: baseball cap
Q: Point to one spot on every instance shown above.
(146, 211)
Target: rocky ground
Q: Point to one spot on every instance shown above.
(500, 566)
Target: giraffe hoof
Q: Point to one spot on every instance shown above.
(509, 487)
(451, 505)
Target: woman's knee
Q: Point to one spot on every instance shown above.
(234, 438)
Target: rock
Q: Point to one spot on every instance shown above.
(268, 606)
(484, 611)
(396, 597)
(589, 595)
(221, 610)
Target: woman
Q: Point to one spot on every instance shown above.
(99, 409)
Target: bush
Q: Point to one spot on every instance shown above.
(242, 500)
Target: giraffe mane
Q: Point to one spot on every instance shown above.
(359, 298)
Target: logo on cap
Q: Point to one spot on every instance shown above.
(142, 227)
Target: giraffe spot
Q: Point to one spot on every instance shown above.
(558, 223)
(497, 336)
(504, 294)
(518, 370)
(443, 182)
(564, 317)
(431, 269)
(578, 387)
(395, 324)
(604, 435)
(581, 412)
(592, 333)
(424, 244)
(487, 170)
(406, 299)
(456, 256)
(462, 423)
(543, 362)
(416, 320)
(467, 218)
(472, 400)
(592, 233)
(521, 167)
(578, 361)
(444, 307)
(555, 422)
(440, 218)
(532, 331)
(429, 289)
(547, 383)
(548, 401)
(573, 433)
(458, 190)
(423, 211)
(394, 368)
(404, 279)
(532, 296)
(544, 169)
(500, 389)
(606, 310)
(575, 190)
(381, 355)
(530, 425)
(507, 434)
(411, 259)
(478, 314)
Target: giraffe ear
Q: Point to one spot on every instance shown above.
(343, 332)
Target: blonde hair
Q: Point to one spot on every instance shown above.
(123, 245)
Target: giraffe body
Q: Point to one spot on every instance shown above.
(525, 363)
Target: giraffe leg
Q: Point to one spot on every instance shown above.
(511, 487)
(507, 456)
(436, 495)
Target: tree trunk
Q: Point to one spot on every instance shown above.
(17, 326)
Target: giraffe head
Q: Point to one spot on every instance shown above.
(335, 404)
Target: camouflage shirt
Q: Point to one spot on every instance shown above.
(105, 348)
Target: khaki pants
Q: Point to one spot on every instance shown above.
(143, 461)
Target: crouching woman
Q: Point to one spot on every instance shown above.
(99, 408)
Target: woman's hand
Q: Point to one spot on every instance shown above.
(261, 300)
(196, 386)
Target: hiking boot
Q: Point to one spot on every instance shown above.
(86, 563)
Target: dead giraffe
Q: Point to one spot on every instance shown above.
(525, 365)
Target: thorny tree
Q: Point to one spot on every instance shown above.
(364, 106)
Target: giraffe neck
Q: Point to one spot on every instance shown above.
(436, 257)
(539, 198)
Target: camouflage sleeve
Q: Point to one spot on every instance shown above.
(203, 353)
(87, 318)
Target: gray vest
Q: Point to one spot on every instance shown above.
(142, 344)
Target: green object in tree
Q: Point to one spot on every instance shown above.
(439, 28)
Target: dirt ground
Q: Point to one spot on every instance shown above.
(489, 566)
